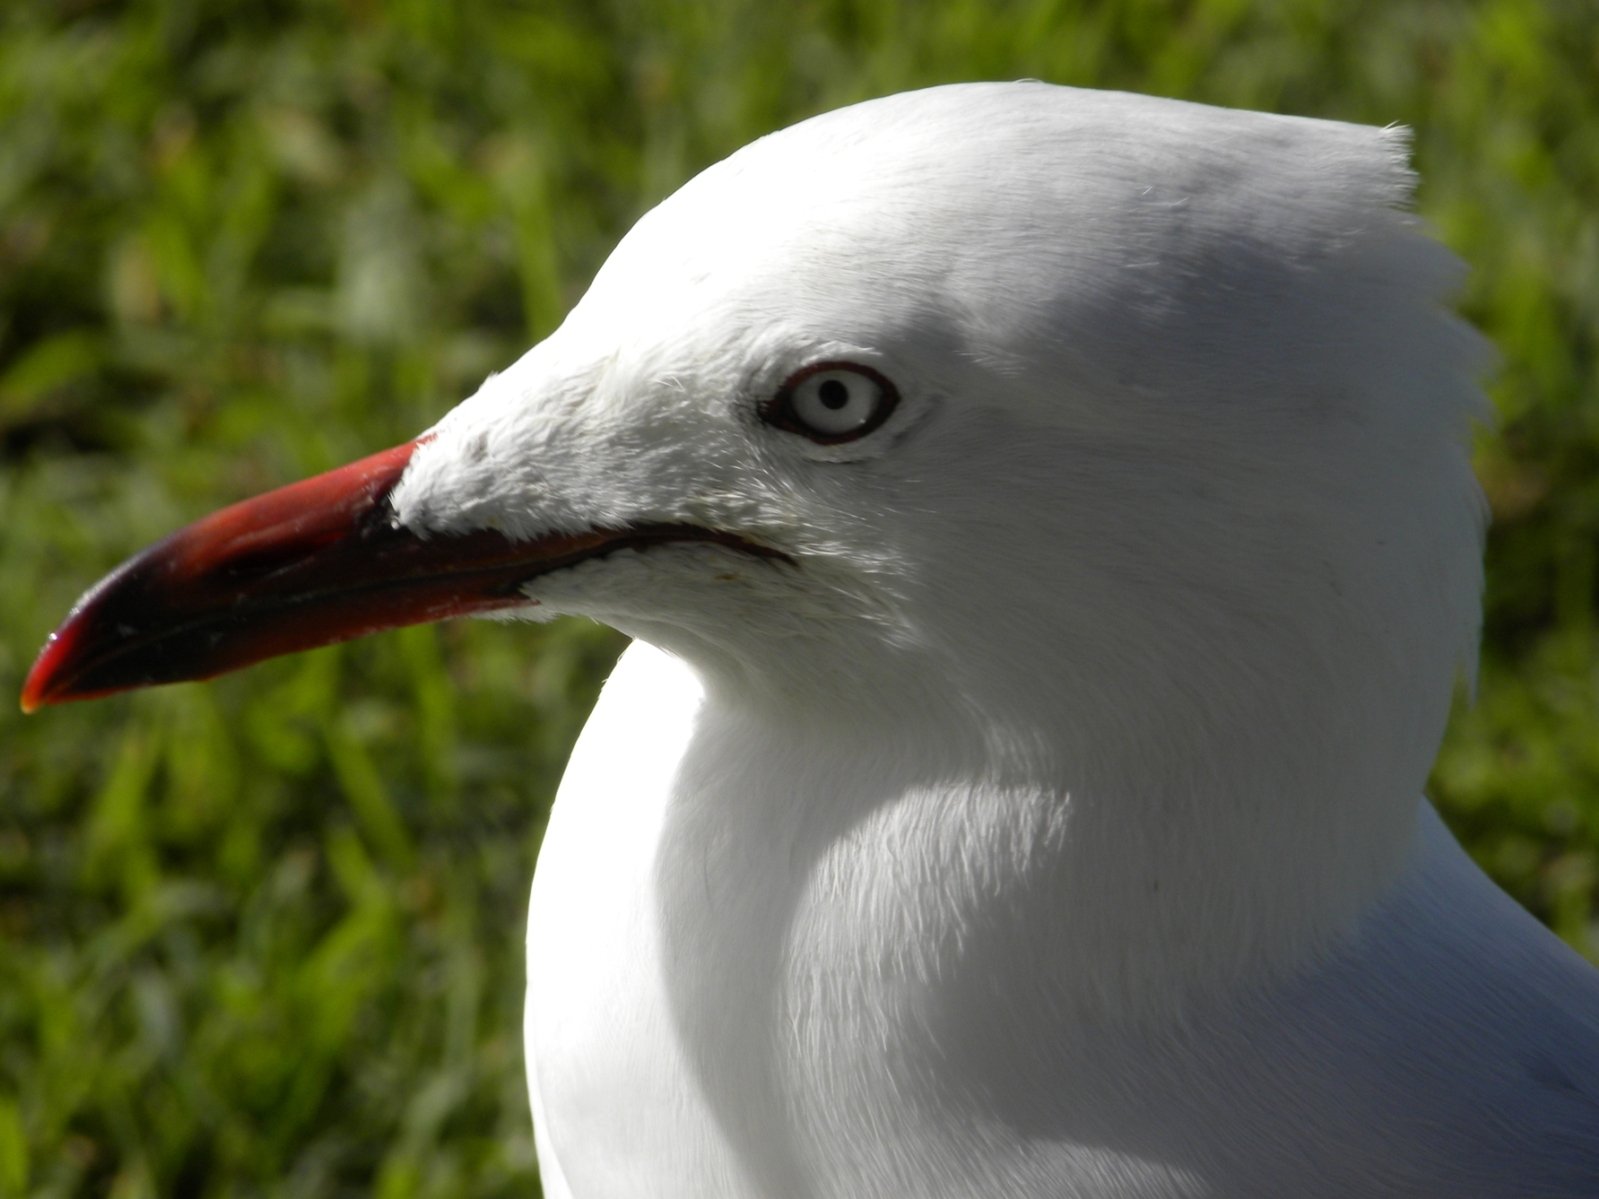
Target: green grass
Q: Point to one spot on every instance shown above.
(263, 936)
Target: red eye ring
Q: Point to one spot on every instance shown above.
(780, 411)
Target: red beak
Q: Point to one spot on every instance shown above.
(316, 562)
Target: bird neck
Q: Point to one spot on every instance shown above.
(1137, 862)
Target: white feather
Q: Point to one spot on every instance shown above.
(1048, 825)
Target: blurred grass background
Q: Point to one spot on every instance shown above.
(263, 937)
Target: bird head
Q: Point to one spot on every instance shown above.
(1124, 405)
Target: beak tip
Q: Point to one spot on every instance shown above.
(34, 694)
(42, 687)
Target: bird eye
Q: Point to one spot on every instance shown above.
(831, 402)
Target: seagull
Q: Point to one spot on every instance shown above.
(1046, 523)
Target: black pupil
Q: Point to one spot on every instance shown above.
(833, 394)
